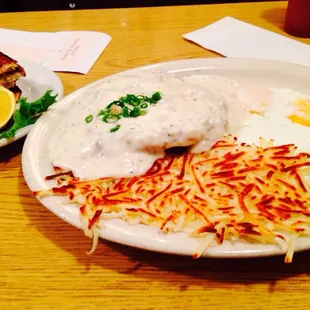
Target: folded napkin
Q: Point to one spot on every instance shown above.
(72, 51)
(233, 38)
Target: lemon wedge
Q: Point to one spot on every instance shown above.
(7, 105)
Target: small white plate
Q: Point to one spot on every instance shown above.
(36, 164)
(38, 80)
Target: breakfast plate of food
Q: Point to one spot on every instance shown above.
(26, 91)
(200, 157)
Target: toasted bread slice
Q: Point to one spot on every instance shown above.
(9, 85)
(6, 79)
(7, 64)
(17, 92)
(10, 72)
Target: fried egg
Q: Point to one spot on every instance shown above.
(278, 114)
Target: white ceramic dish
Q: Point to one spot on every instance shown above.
(36, 164)
(38, 80)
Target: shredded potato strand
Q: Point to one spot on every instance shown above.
(256, 193)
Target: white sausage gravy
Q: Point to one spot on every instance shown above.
(195, 110)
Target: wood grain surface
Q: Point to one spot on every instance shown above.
(43, 261)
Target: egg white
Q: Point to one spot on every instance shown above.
(273, 122)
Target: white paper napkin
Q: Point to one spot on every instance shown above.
(233, 38)
(72, 51)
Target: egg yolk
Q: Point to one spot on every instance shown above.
(301, 114)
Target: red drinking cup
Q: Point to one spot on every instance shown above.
(297, 21)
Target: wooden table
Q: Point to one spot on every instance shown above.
(43, 264)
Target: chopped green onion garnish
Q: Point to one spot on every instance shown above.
(126, 106)
(88, 118)
(115, 128)
(125, 112)
(103, 112)
(156, 96)
(134, 112)
(110, 105)
(111, 118)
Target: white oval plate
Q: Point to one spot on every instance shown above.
(37, 81)
(36, 164)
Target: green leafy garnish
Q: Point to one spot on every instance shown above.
(127, 106)
(27, 114)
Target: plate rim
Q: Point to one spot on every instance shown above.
(113, 236)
